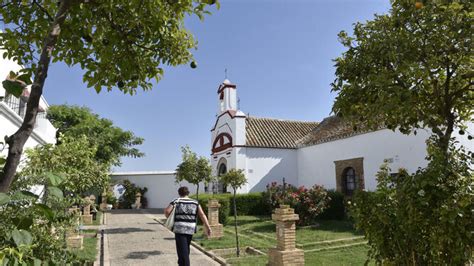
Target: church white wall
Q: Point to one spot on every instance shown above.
(316, 163)
(162, 188)
(264, 165)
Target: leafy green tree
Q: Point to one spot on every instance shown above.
(119, 43)
(405, 70)
(75, 121)
(411, 68)
(74, 159)
(193, 169)
(235, 179)
(420, 219)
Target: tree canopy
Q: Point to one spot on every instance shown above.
(113, 142)
(411, 68)
(118, 43)
(408, 69)
(193, 169)
(74, 159)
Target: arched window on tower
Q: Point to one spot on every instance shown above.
(349, 180)
(222, 142)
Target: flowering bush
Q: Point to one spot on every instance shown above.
(424, 218)
(308, 203)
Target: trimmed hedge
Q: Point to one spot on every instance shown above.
(247, 204)
(223, 200)
(257, 204)
(336, 209)
(250, 204)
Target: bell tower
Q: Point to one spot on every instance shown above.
(227, 97)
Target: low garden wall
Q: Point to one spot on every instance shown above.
(161, 186)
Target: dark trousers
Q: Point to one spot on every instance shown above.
(182, 248)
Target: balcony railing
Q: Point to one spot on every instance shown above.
(42, 126)
(16, 104)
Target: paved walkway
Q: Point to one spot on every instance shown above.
(133, 237)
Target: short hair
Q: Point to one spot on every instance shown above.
(183, 191)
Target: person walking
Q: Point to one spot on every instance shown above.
(185, 219)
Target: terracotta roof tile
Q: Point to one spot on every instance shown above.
(276, 133)
(331, 128)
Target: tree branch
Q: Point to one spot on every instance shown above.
(43, 9)
(6, 4)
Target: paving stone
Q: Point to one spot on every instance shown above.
(135, 238)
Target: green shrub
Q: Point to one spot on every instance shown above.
(130, 195)
(423, 218)
(33, 230)
(251, 204)
(247, 204)
(336, 209)
(224, 200)
(307, 202)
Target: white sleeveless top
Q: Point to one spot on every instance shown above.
(185, 215)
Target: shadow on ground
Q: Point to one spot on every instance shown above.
(141, 255)
(135, 211)
(126, 230)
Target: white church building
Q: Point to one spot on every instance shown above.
(329, 152)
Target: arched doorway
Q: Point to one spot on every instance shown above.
(221, 170)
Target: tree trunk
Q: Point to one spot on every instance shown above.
(235, 224)
(18, 140)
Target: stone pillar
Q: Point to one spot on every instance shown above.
(86, 213)
(103, 204)
(138, 200)
(213, 217)
(73, 239)
(286, 252)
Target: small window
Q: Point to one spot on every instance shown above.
(350, 181)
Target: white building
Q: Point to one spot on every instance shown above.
(329, 153)
(161, 185)
(12, 111)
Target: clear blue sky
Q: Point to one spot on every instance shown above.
(278, 52)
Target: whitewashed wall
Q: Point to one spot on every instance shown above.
(264, 166)
(44, 131)
(316, 163)
(162, 188)
(234, 127)
(9, 124)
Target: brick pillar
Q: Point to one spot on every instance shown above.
(213, 217)
(86, 213)
(138, 200)
(103, 204)
(286, 252)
